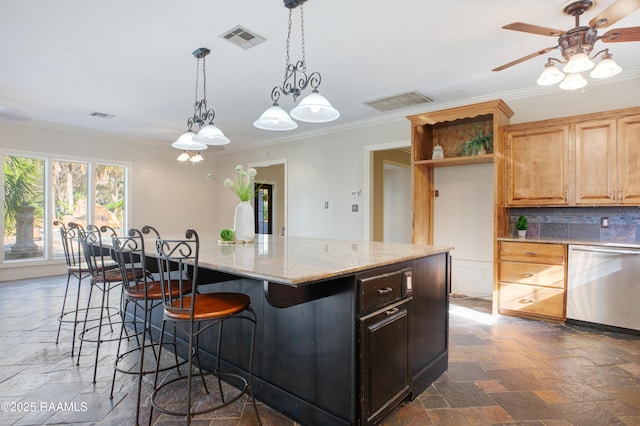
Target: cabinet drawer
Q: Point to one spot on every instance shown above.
(533, 300)
(532, 273)
(380, 290)
(533, 252)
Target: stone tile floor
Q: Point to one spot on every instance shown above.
(502, 370)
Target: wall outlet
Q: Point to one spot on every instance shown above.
(604, 222)
(354, 207)
(326, 204)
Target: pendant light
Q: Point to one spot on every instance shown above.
(192, 143)
(314, 108)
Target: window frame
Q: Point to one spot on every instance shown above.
(49, 208)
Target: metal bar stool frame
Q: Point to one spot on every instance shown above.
(178, 259)
(143, 291)
(104, 279)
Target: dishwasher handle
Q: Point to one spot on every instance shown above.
(606, 250)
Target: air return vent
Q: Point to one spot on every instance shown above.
(242, 37)
(101, 115)
(403, 100)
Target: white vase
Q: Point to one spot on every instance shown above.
(243, 222)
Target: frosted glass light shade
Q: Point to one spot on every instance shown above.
(605, 68)
(211, 135)
(275, 118)
(186, 143)
(550, 75)
(578, 63)
(184, 156)
(196, 158)
(573, 81)
(315, 108)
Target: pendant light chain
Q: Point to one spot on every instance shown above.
(304, 59)
(195, 98)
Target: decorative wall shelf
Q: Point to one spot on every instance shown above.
(456, 161)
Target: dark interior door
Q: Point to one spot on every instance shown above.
(264, 208)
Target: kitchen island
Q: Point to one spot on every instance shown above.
(346, 330)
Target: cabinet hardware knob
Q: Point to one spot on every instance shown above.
(392, 311)
(528, 275)
(385, 290)
(527, 300)
(530, 253)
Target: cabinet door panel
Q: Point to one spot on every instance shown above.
(538, 164)
(629, 160)
(595, 162)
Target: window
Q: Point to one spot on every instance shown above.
(38, 191)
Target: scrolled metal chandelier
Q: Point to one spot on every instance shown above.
(189, 142)
(314, 108)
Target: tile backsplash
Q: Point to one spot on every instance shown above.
(580, 223)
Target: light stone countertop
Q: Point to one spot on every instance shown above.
(297, 260)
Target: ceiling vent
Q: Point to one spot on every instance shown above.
(242, 37)
(403, 100)
(101, 115)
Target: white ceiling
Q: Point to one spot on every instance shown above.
(63, 59)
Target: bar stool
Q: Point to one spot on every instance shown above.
(105, 280)
(144, 293)
(76, 268)
(193, 314)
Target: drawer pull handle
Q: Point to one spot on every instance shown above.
(527, 300)
(527, 275)
(384, 290)
(392, 311)
(530, 253)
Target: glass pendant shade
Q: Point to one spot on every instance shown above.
(275, 118)
(573, 81)
(315, 108)
(605, 68)
(186, 143)
(578, 63)
(550, 75)
(211, 135)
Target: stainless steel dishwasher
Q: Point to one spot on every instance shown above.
(603, 286)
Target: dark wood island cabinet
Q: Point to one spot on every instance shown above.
(346, 330)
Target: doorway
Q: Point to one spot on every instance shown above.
(390, 197)
(270, 211)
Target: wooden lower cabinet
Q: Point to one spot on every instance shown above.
(532, 280)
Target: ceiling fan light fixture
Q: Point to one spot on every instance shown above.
(550, 75)
(211, 135)
(573, 81)
(605, 68)
(275, 118)
(578, 63)
(315, 108)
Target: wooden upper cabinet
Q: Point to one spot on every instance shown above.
(595, 149)
(537, 165)
(628, 151)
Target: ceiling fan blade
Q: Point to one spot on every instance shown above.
(618, 35)
(534, 29)
(614, 13)
(525, 58)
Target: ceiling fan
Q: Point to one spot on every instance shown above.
(576, 44)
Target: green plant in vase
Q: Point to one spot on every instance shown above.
(479, 144)
(522, 225)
